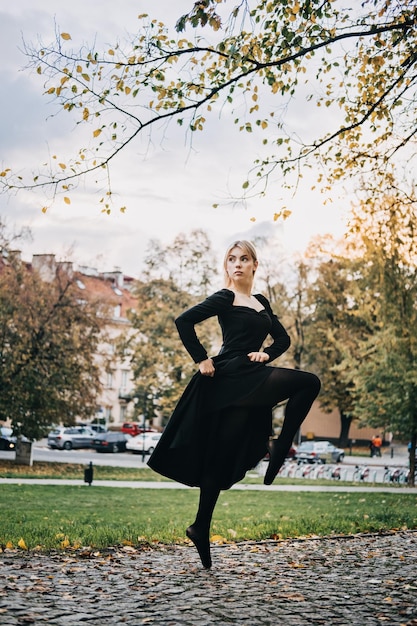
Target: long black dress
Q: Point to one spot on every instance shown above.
(205, 434)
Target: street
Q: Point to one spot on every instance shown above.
(41, 452)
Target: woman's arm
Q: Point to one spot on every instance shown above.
(281, 339)
(186, 322)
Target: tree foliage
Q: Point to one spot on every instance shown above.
(47, 344)
(333, 333)
(176, 277)
(384, 370)
(188, 262)
(349, 67)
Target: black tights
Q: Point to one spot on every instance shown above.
(300, 389)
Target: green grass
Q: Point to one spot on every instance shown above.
(52, 517)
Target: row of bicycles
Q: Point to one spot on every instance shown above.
(351, 473)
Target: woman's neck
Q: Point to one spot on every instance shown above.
(242, 290)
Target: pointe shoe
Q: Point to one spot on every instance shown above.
(202, 543)
(276, 460)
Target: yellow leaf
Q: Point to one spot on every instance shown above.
(86, 114)
(44, 209)
(62, 166)
(252, 219)
(67, 200)
(9, 545)
(66, 36)
(122, 209)
(111, 52)
(218, 539)
(21, 543)
(65, 543)
(97, 132)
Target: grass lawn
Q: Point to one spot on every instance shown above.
(69, 517)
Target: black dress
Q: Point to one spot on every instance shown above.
(206, 434)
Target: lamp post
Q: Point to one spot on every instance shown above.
(144, 427)
(144, 397)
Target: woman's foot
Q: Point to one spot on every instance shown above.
(202, 543)
(276, 460)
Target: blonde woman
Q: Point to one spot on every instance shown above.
(221, 426)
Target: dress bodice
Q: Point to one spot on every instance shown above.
(243, 328)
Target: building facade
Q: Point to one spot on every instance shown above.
(111, 292)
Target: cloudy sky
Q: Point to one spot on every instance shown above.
(168, 189)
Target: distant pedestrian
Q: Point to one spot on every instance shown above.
(375, 445)
(223, 421)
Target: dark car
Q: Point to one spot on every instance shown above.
(110, 442)
(7, 441)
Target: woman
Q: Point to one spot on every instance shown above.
(221, 426)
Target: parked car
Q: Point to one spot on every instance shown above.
(319, 452)
(131, 428)
(290, 454)
(145, 442)
(110, 442)
(67, 438)
(134, 428)
(7, 441)
(98, 428)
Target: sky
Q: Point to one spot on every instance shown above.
(168, 188)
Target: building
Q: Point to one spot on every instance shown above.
(112, 293)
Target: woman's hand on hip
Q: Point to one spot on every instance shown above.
(206, 367)
(258, 357)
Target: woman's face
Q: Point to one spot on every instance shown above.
(240, 266)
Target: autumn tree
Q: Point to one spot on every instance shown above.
(333, 333)
(383, 372)
(188, 261)
(350, 67)
(175, 277)
(48, 341)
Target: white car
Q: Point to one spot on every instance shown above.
(143, 443)
(319, 452)
(67, 438)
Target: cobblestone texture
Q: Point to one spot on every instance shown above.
(364, 580)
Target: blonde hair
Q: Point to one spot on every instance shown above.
(245, 246)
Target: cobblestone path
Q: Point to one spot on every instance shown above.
(363, 580)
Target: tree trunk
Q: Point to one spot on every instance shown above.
(345, 423)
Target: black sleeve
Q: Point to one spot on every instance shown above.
(281, 339)
(185, 323)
